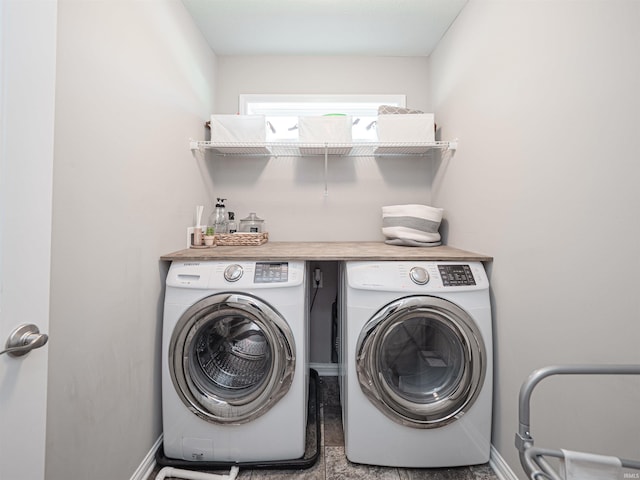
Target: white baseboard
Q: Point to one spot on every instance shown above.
(148, 463)
(500, 467)
(325, 369)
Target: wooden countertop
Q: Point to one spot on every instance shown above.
(319, 251)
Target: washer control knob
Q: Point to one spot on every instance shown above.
(419, 275)
(233, 273)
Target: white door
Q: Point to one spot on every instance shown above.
(27, 91)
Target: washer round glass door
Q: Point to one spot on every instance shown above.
(231, 358)
(421, 361)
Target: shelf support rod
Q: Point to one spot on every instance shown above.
(326, 169)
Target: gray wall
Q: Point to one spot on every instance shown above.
(544, 98)
(135, 80)
(289, 192)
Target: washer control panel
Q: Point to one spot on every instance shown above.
(240, 274)
(271, 272)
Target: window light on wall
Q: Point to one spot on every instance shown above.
(282, 111)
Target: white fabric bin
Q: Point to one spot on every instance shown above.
(412, 128)
(238, 129)
(327, 129)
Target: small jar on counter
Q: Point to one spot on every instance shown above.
(252, 224)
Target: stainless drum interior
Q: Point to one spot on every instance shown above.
(232, 355)
(231, 358)
(421, 361)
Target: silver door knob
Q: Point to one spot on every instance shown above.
(24, 339)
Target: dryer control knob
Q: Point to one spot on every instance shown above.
(233, 273)
(419, 275)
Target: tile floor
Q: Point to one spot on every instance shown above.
(332, 463)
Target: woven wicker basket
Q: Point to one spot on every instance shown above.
(239, 239)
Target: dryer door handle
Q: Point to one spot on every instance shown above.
(23, 339)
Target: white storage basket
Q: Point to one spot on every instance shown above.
(412, 225)
(315, 132)
(412, 128)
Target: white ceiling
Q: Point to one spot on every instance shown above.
(324, 27)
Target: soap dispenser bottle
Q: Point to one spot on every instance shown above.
(232, 225)
(219, 217)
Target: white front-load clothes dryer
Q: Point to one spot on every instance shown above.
(416, 363)
(234, 361)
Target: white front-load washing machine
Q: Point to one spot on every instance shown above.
(235, 361)
(416, 363)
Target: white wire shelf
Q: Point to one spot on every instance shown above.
(297, 149)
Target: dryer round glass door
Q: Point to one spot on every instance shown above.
(231, 358)
(421, 361)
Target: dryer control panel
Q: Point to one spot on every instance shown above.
(417, 277)
(456, 275)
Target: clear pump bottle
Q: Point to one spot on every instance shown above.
(219, 217)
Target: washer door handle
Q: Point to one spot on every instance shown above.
(23, 339)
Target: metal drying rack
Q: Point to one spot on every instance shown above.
(532, 458)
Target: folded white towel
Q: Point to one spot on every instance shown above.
(589, 466)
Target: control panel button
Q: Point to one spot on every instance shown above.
(419, 275)
(233, 273)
